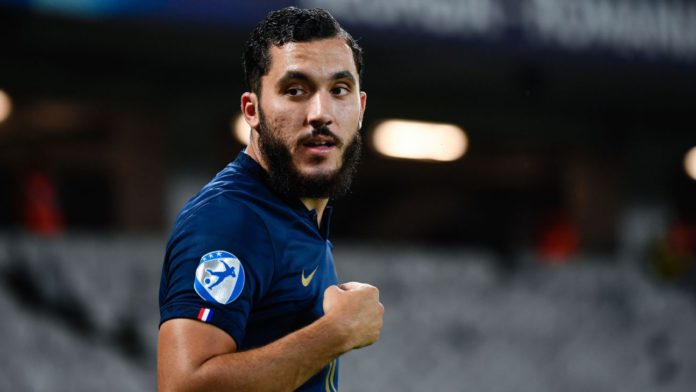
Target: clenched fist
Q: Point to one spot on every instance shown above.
(355, 309)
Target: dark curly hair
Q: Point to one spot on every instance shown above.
(290, 24)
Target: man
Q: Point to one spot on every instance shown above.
(249, 297)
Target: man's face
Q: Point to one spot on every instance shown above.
(310, 110)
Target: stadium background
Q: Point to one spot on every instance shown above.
(557, 254)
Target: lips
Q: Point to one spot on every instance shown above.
(319, 141)
(314, 144)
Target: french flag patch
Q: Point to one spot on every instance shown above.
(205, 314)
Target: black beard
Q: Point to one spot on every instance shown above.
(284, 178)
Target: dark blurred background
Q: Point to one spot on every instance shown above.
(579, 117)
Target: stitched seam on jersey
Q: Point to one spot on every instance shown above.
(202, 203)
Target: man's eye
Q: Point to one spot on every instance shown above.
(293, 91)
(340, 90)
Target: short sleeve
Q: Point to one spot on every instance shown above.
(218, 263)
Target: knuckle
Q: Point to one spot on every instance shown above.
(372, 291)
(330, 289)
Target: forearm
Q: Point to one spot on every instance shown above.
(195, 356)
(283, 365)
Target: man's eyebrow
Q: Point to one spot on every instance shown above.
(293, 75)
(343, 75)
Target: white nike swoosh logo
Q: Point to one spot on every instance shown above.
(307, 279)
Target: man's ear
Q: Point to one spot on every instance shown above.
(363, 104)
(249, 106)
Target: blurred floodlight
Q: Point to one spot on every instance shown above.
(690, 163)
(5, 106)
(420, 140)
(240, 129)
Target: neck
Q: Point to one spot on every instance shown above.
(315, 204)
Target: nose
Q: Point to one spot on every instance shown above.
(320, 110)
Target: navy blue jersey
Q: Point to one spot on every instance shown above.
(250, 262)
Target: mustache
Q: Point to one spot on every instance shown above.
(321, 131)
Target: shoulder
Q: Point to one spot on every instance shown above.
(232, 200)
(224, 220)
(222, 211)
(235, 211)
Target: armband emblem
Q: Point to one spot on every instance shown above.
(219, 277)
